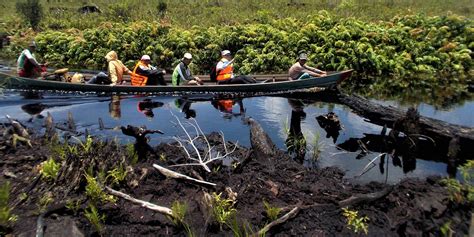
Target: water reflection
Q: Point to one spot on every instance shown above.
(226, 107)
(34, 110)
(184, 104)
(146, 107)
(221, 114)
(296, 142)
(114, 107)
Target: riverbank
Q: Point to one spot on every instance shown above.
(72, 199)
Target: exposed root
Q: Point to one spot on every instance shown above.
(172, 174)
(148, 205)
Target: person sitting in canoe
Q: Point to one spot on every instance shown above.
(146, 72)
(225, 71)
(300, 70)
(27, 66)
(116, 68)
(182, 74)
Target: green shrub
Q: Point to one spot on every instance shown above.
(31, 10)
(6, 217)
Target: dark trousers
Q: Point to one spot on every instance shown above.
(242, 79)
(155, 77)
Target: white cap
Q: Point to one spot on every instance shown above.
(225, 52)
(188, 56)
(145, 57)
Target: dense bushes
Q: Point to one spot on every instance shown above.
(434, 50)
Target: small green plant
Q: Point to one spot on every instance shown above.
(467, 171)
(6, 217)
(95, 192)
(354, 222)
(222, 209)
(74, 206)
(87, 145)
(23, 196)
(271, 211)
(130, 148)
(179, 213)
(117, 175)
(44, 202)
(95, 218)
(316, 146)
(459, 192)
(163, 157)
(31, 10)
(454, 189)
(49, 169)
(241, 230)
(446, 229)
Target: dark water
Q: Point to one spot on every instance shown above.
(275, 114)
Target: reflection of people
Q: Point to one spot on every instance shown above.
(226, 107)
(225, 71)
(146, 107)
(34, 110)
(300, 70)
(154, 74)
(331, 124)
(182, 74)
(296, 142)
(114, 107)
(185, 106)
(116, 68)
(27, 66)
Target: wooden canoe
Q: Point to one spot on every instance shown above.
(14, 82)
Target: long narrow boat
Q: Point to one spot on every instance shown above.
(15, 82)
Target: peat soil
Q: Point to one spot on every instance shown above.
(412, 207)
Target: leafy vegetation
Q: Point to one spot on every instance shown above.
(222, 209)
(461, 192)
(354, 222)
(95, 218)
(117, 175)
(6, 217)
(49, 169)
(179, 213)
(95, 192)
(31, 10)
(271, 211)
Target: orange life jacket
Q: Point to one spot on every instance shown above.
(137, 79)
(225, 73)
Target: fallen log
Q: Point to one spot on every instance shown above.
(172, 174)
(441, 132)
(278, 221)
(148, 205)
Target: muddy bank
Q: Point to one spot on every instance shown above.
(248, 177)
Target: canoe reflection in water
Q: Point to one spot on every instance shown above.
(296, 142)
(226, 107)
(146, 107)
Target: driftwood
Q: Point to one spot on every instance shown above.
(260, 140)
(148, 205)
(441, 132)
(360, 198)
(278, 221)
(141, 142)
(172, 174)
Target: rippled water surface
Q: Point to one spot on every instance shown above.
(275, 114)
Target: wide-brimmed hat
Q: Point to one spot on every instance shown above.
(303, 56)
(32, 44)
(225, 52)
(145, 57)
(187, 56)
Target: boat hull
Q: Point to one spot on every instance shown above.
(14, 82)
